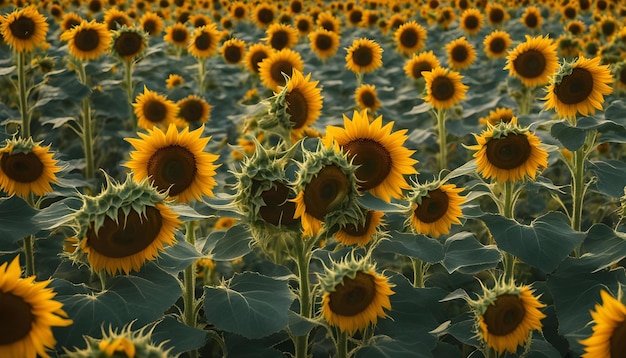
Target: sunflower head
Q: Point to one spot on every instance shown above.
(88, 40)
(361, 234)
(608, 331)
(354, 296)
(129, 43)
(24, 29)
(193, 110)
(324, 43)
(364, 55)
(124, 226)
(278, 64)
(444, 88)
(204, 41)
(26, 167)
(424, 61)
(154, 110)
(410, 37)
(280, 36)
(434, 207)
(506, 315)
(367, 98)
(533, 61)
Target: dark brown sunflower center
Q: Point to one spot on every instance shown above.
(70, 23)
(87, 40)
(23, 27)
(471, 22)
(179, 35)
(328, 25)
(409, 38)
(129, 44)
(303, 25)
(354, 296)
(608, 28)
(575, 29)
(355, 16)
(530, 63)
(601, 5)
(199, 22)
(129, 235)
(420, 67)
(531, 20)
(442, 88)
(172, 167)
(256, 58)
(265, 16)
(239, 12)
(277, 210)
(117, 22)
(584, 4)
(622, 75)
(191, 111)
(496, 16)
(508, 152)
(373, 160)
(569, 12)
(504, 315)
(296, 7)
(325, 191)
(497, 45)
(323, 42)
(463, 4)
(361, 229)
(56, 11)
(154, 111)
(459, 53)
(203, 41)
(433, 207)
(368, 99)
(278, 68)
(363, 56)
(575, 87)
(16, 318)
(22, 167)
(150, 27)
(279, 40)
(618, 349)
(297, 108)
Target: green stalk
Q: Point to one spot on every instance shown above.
(525, 101)
(508, 212)
(303, 258)
(86, 125)
(130, 90)
(578, 187)
(201, 73)
(342, 345)
(189, 285)
(23, 94)
(29, 244)
(419, 269)
(441, 131)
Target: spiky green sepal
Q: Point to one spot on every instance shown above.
(349, 266)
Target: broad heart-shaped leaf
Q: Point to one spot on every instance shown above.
(58, 213)
(465, 254)
(298, 325)
(539, 348)
(251, 305)
(387, 347)
(413, 245)
(177, 336)
(544, 243)
(573, 138)
(240, 347)
(16, 220)
(228, 245)
(576, 291)
(603, 247)
(178, 257)
(615, 111)
(610, 176)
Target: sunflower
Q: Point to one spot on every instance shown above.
(381, 158)
(153, 109)
(233, 50)
(27, 313)
(424, 61)
(569, 11)
(56, 11)
(360, 234)
(410, 37)
(568, 46)
(434, 208)
(496, 14)
(255, 54)
(70, 20)
(533, 61)
(471, 21)
(88, 40)
(619, 71)
(506, 315)
(26, 167)
(264, 14)
(461, 54)
(175, 162)
(280, 36)
(498, 115)
(329, 22)
(177, 34)
(193, 109)
(199, 20)
(608, 329)
(355, 16)
(204, 41)
(151, 23)
(354, 296)
(575, 27)
(174, 80)
(508, 153)
(396, 20)
(608, 27)
(295, 7)
(444, 88)
(364, 55)
(579, 87)
(238, 10)
(303, 100)
(324, 43)
(94, 6)
(366, 97)
(496, 44)
(303, 23)
(24, 29)
(115, 19)
(128, 43)
(273, 68)
(531, 18)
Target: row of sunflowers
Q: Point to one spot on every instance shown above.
(436, 178)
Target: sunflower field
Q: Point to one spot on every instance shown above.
(312, 178)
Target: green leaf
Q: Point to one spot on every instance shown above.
(240, 347)
(610, 176)
(6, 70)
(16, 219)
(544, 243)
(228, 245)
(574, 137)
(251, 305)
(539, 348)
(373, 203)
(387, 347)
(603, 247)
(187, 213)
(465, 254)
(57, 122)
(177, 335)
(413, 245)
(176, 258)
(298, 325)
(58, 213)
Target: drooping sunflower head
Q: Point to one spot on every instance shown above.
(278, 64)
(88, 40)
(24, 29)
(434, 207)
(509, 153)
(444, 88)
(502, 114)
(424, 61)
(177, 34)
(497, 43)
(233, 50)
(324, 43)
(175, 162)
(366, 97)
(193, 109)
(326, 189)
(129, 43)
(471, 21)
(354, 296)
(204, 41)
(361, 234)
(364, 55)
(27, 313)
(26, 167)
(151, 23)
(461, 53)
(124, 226)
(380, 156)
(533, 61)
(410, 37)
(579, 87)
(280, 36)
(506, 315)
(609, 320)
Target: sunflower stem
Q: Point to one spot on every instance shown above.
(201, 74)
(130, 90)
(441, 131)
(303, 258)
(29, 255)
(526, 101)
(87, 125)
(578, 187)
(189, 283)
(508, 212)
(418, 272)
(342, 345)
(22, 93)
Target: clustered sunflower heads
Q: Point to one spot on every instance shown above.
(354, 296)
(326, 188)
(126, 343)
(124, 226)
(506, 315)
(608, 335)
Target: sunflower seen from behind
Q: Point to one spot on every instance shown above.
(278, 64)
(608, 330)
(88, 40)
(175, 162)
(24, 29)
(434, 207)
(444, 88)
(363, 56)
(154, 109)
(28, 312)
(533, 61)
